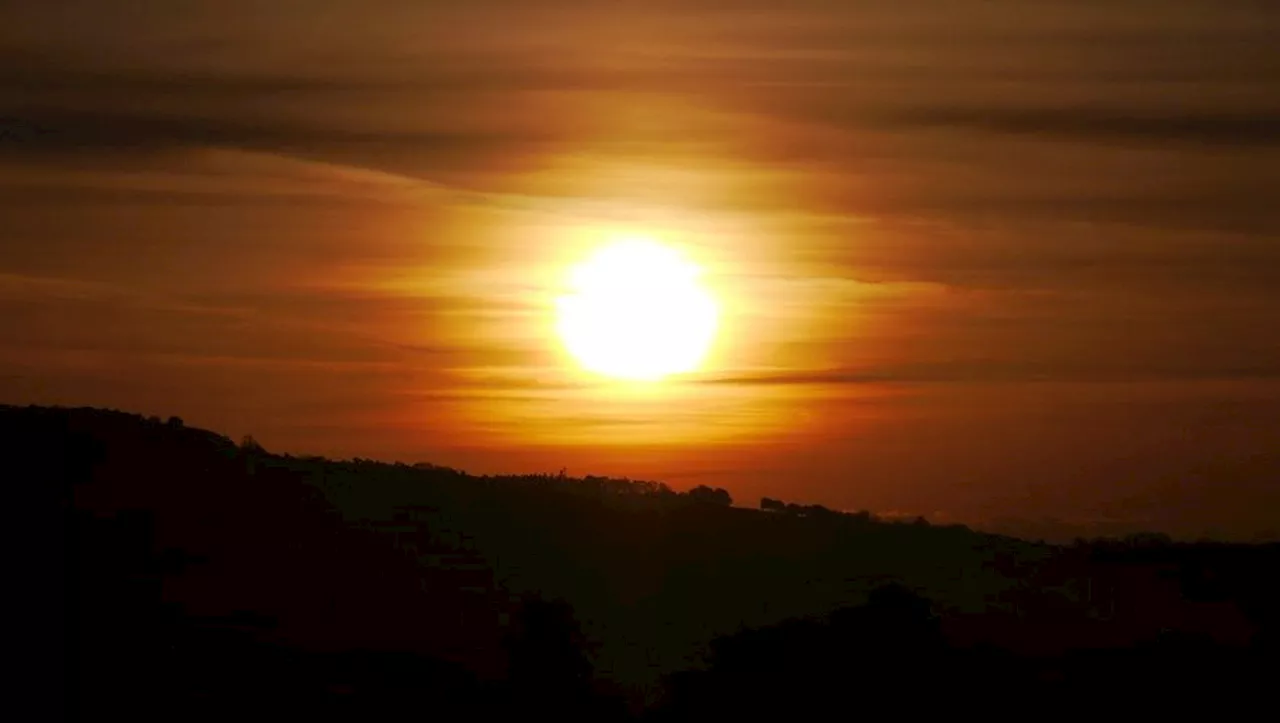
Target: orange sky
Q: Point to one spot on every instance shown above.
(996, 263)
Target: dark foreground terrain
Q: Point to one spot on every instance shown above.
(167, 573)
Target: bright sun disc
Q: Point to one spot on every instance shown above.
(636, 310)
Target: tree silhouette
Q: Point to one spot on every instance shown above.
(548, 667)
(703, 494)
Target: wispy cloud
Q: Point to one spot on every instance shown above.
(1243, 129)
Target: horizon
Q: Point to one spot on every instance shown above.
(1047, 531)
(1012, 266)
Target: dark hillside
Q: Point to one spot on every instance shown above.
(186, 568)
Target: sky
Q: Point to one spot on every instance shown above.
(1010, 263)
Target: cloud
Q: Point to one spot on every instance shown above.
(24, 286)
(71, 130)
(1257, 128)
(802, 378)
(1012, 372)
(67, 315)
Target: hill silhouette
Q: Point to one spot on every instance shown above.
(189, 575)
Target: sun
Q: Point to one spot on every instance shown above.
(636, 310)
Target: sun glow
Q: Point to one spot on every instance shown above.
(636, 310)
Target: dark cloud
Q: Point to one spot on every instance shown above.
(1259, 128)
(64, 130)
